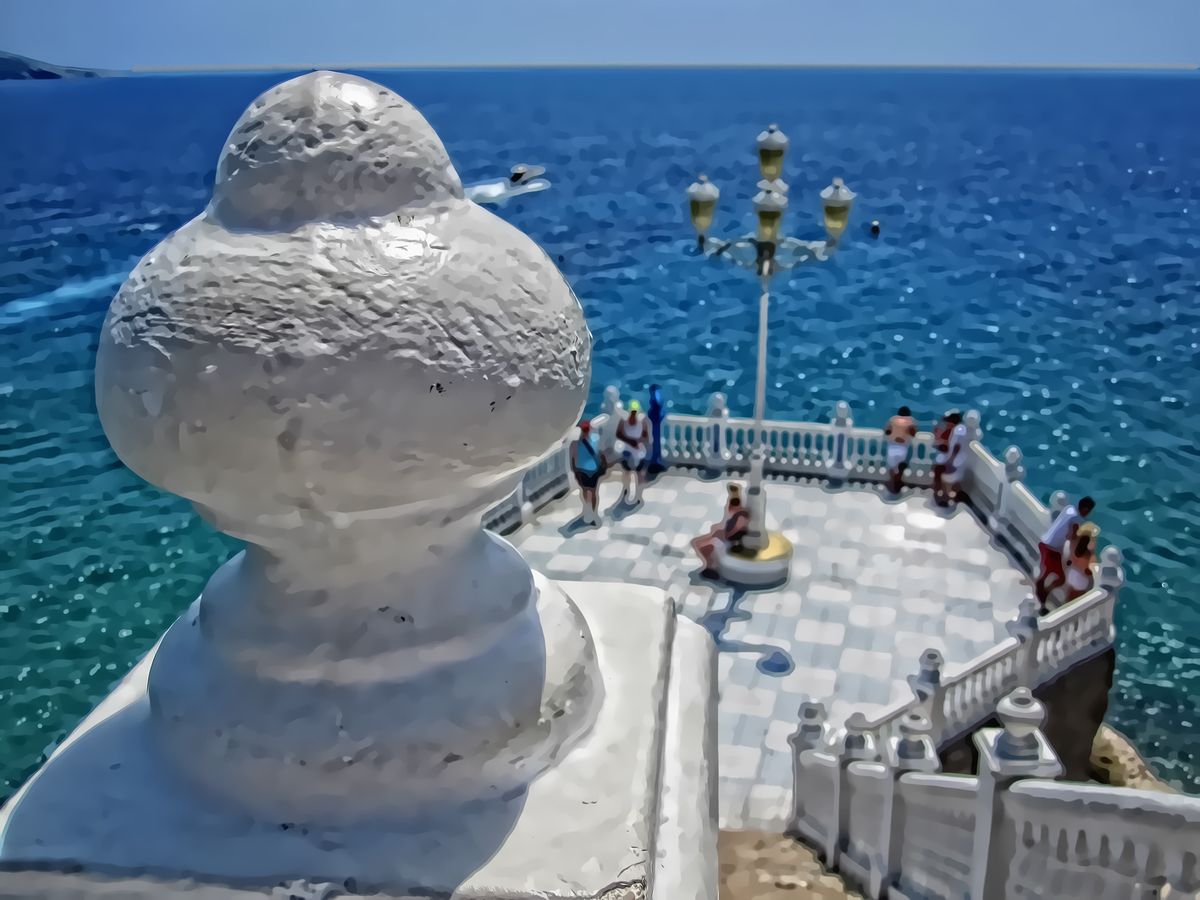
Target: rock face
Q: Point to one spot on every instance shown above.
(344, 362)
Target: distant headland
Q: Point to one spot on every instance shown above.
(14, 67)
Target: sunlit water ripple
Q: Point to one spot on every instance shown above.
(1038, 261)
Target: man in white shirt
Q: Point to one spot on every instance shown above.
(1061, 532)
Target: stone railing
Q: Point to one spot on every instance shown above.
(1038, 650)
(836, 450)
(892, 825)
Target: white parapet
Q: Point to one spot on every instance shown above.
(345, 362)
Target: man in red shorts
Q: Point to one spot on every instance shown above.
(1061, 531)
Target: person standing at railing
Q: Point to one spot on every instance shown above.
(1079, 555)
(946, 474)
(633, 443)
(587, 465)
(1062, 531)
(900, 431)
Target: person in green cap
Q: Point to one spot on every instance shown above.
(633, 442)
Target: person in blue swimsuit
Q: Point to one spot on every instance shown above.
(587, 465)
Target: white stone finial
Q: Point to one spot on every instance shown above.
(1058, 502)
(930, 666)
(972, 421)
(812, 732)
(858, 741)
(344, 362)
(332, 148)
(1112, 568)
(841, 415)
(913, 748)
(1021, 715)
(716, 405)
(1014, 468)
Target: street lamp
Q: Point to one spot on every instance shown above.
(767, 556)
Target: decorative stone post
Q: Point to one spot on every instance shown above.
(1058, 502)
(1014, 464)
(343, 362)
(1014, 471)
(1016, 750)
(927, 688)
(1025, 629)
(972, 421)
(812, 739)
(614, 409)
(716, 455)
(1112, 570)
(843, 423)
(912, 750)
(858, 743)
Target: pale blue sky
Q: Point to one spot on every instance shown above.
(301, 33)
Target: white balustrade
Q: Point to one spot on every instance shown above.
(816, 787)
(1056, 835)
(862, 854)
(934, 856)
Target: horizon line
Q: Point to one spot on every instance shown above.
(1099, 67)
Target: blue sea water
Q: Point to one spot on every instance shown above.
(1039, 260)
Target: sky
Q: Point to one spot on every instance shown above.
(124, 34)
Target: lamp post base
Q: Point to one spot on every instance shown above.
(758, 568)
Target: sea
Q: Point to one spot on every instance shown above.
(1038, 260)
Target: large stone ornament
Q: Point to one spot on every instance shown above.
(344, 362)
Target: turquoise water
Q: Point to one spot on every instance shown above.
(1038, 261)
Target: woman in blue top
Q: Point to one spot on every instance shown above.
(587, 464)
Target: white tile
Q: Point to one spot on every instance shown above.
(569, 564)
(777, 736)
(872, 616)
(542, 543)
(810, 632)
(620, 550)
(922, 606)
(806, 683)
(871, 663)
(972, 629)
(747, 701)
(829, 593)
(738, 762)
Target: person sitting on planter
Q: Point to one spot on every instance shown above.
(725, 536)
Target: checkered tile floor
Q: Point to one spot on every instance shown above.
(874, 583)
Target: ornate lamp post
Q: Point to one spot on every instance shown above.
(767, 555)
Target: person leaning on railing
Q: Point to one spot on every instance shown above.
(1062, 531)
(1079, 555)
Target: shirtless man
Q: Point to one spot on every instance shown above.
(900, 430)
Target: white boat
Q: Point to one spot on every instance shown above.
(523, 179)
